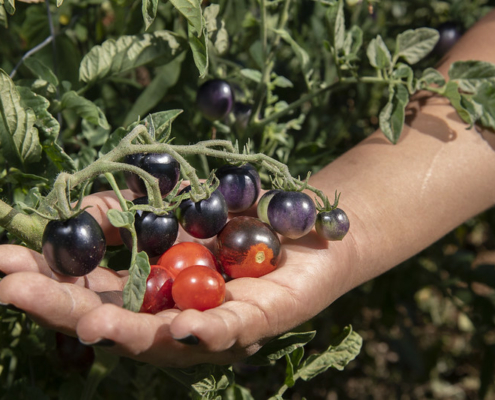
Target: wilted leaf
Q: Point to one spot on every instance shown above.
(19, 137)
(128, 52)
(149, 9)
(415, 44)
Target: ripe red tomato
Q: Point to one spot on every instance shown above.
(247, 247)
(158, 295)
(198, 287)
(185, 254)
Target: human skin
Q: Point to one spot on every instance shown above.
(399, 198)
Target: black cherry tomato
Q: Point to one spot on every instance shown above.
(247, 247)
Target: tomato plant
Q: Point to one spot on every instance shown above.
(183, 255)
(215, 99)
(247, 247)
(74, 246)
(198, 287)
(332, 225)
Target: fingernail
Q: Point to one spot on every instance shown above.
(11, 307)
(99, 343)
(189, 339)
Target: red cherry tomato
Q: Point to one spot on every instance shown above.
(185, 254)
(158, 295)
(247, 247)
(198, 287)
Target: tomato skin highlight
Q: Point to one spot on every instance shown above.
(247, 247)
(198, 287)
(75, 246)
(185, 254)
(158, 295)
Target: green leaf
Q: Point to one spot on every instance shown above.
(415, 44)
(279, 347)
(252, 74)
(431, 76)
(103, 365)
(58, 156)
(18, 137)
(392, 116)
(451, 91)
(282, 81)
(3, 17)
(135, 287)
(166, 77)
(128, 52)
(378, 53)
(404, 71)
(9, 6)
(216, 28)
(120, 219)
(485, 97)
(300, 53)
(471, 74)
(149, 9)
(336, 356)
(162, 121)
(206, 380)
(191, 10)
(113, 140)
(336, 22)
(84, 108)
(40, 70)
(237, 392)
(353, 40)
(289, 372)
(199, 47)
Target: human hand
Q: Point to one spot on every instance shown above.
(90, 307)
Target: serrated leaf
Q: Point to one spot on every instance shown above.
(39, 69)
(392, 116)
(206, 380)
(378, 53)
(199, 47)
(128, 52)
(149, 9)
(485, 97)
(279, 347)
(120, 219)
(300, 53)
(162, 121)
(191, 10)
(337, 356)
(19, 138)
(471, 74)
(135, 287)
(84, 108)
(432, 76)
(415, 44)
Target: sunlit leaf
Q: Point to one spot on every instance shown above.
(191, 10)
(415, 44)
(392, 116)
(378, 53)
(199, 47)
(135, 287)
(149, 9)
(470, 75)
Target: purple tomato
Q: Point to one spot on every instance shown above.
(240, 186)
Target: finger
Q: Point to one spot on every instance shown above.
(50, 303)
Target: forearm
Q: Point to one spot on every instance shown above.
(402, 198)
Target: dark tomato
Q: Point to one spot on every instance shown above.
(74, 246)
(183, 255)
(71, 354)
(215, 99)
(155, 233)
(161, 165)
(158, 295)
(205, 218)
(292, 214)
(240, 186)
(262, 208)
(450, 33)
(198, 287)
(332, 225)
(247, 247)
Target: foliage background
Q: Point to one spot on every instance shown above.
(428, 325)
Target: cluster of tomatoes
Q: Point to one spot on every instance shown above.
(189, 275)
